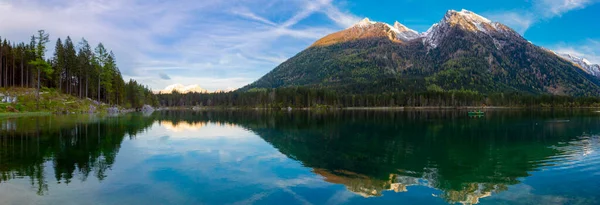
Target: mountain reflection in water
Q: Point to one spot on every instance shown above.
(371, 153)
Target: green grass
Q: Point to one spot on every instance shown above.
(50, 101)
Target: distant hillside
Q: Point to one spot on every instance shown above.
(464, 51)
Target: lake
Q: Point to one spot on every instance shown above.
(304, 157)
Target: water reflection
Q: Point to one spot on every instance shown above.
(371, 154)
(81, 146)
(182, 126)
(466, 159)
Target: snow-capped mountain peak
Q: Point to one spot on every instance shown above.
(404, 33)
(466, 20)
(401, 32)
(364, 23)
(469, 15)
(402, 28)
(469, 20)
(582, 63)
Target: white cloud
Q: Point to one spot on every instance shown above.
(541, 10)
(522, 20)
(589, 50)
(217, 44)
(552, 8)
(519, 21)
(243, 12)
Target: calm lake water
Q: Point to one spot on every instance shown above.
(350, 157)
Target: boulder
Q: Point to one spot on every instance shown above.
(113, 110)
(147, 109)
(92, 109)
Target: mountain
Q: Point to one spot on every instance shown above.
(587, 66)
(463, 52)
(182, 89)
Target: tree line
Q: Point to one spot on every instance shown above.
(75, 69)
(301, 97)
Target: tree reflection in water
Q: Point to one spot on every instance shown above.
(369, 152)
(81, 146)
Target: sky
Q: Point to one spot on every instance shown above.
(226, 44)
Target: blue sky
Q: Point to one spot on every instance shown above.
(226, 44)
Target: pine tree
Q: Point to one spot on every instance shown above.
(85, 57)
(59, 63)
(100, 59)
(39, 63)
(1, 61)
(70, 63)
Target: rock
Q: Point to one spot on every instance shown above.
(113, 110)
(8, 99)
(92, 109)
(147, 109)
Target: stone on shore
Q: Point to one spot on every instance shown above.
(92, 109)
(113, 110)
(147, 108)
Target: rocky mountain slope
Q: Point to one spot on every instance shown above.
(584, 64)
(463, 52)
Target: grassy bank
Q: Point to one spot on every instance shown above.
(50, 101)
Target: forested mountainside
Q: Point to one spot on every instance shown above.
(463, 52)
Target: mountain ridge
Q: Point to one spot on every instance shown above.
(464, 51)
(584, 64)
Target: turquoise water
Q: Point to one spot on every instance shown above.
(349, 157)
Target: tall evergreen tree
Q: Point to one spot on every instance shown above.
(1, 61)
(59, 63)
(70, 63)
(101, 56)
(39, 63)
(85, 57)
(69, 70)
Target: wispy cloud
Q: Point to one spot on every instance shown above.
(589, 50)
(553, 8)
(519, 21)
(216, 44)
(539, 10)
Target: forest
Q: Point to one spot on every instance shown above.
(75, 68)
(301, 97)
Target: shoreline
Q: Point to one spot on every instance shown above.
(467, 108)
(427, 108)
(24, 114)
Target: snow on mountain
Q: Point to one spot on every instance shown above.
(584, 64)
(466, 20)
(183, 89)
(364, 23)
(402, 32)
